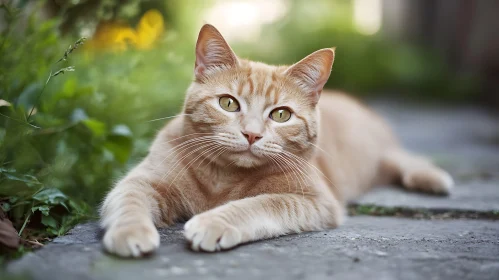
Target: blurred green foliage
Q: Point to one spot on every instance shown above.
(364, 64)
(87, 125)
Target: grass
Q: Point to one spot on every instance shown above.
(420, 213)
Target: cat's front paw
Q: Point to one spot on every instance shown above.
(208, 232)
(131, 240)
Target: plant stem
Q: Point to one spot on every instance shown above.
(25, 223)
(38, 97)
(19, 121)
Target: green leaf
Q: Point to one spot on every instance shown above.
(29, 180)
(119, 146)
(78, 207)
(69, 88)
(9, 170)
(51, 196)
(78, 115)
(64, 205)
(5, 206)
(122, 130)
(97, 128)
(2, 134)
(45, 209)
(49, 221)
(28, 96)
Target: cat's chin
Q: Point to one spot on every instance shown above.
(246, 159)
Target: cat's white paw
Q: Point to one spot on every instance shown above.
(131, 240)
(208, 232)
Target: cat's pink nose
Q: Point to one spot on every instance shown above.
(252, 137)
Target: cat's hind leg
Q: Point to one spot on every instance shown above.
(415, 172)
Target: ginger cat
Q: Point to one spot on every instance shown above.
(259, 152)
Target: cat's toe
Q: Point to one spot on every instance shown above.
(210, 233)
(134, 240)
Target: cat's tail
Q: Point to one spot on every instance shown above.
(415, 172)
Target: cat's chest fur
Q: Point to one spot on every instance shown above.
(220, 182)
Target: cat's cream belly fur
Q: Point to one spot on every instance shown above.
(236, 174)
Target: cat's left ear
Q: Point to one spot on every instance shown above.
(312, 72)
(212, 51)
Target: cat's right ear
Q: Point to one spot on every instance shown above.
(212, 52)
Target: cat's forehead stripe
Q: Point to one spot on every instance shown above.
(274, 77)
(260, 86)
(269, 90)
(276, 96)
(250, 82)
(240, 88)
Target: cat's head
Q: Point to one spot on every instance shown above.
(257, 112)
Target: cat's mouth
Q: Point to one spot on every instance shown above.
(248, 152)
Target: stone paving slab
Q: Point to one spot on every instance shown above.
(481, 196)
(464, 140)
(364, 248)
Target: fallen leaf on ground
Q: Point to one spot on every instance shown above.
(8, 234)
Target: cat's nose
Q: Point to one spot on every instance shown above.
(251, 137)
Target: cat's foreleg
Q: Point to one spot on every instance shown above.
(260, 217)
(129, 214)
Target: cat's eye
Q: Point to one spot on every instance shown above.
(280, 115)
(228, 104)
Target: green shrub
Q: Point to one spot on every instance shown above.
(87, 125)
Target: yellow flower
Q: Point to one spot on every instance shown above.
(149, 29)
(119, 36)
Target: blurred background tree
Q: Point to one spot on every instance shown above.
(63, 141)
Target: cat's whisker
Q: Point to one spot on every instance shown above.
(283, 171)
(220, 144)
(205, 145)
(220, 147)
(185, 145)
(213, 146)
(175, 166)
(321, 149)
(223, 150)
(190, 134)
(180, 150)
(291, 165)
(304, 173)
(170, 117)
(220, 150)
(204, 141)
(208, 156)
(300, 161)
(179, 146)
(314, 167)
(232, 162)
(301, 169)
(211, 150)
(297, 165)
